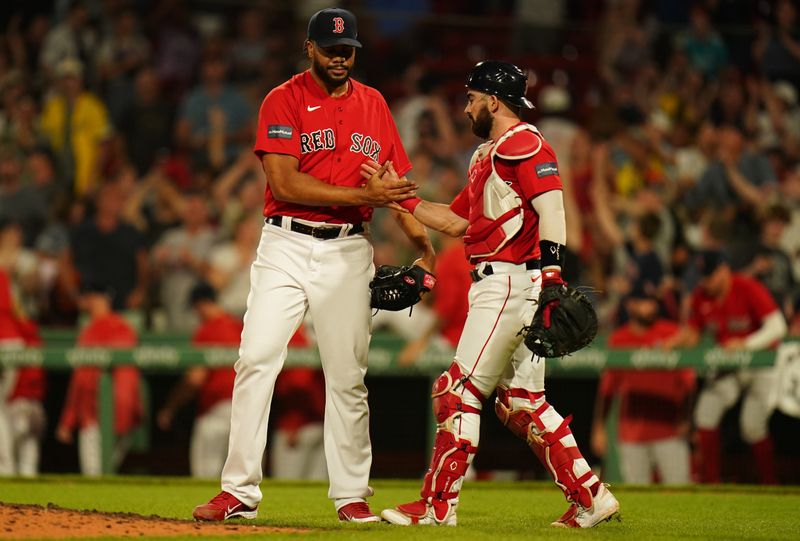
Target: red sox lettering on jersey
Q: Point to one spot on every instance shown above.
(330, 137)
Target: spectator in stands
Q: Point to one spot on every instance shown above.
(777, 47)
(742, 315)
(654, 405)
(19, 128)
(249, 49)
(736, 102)
(790, 196)
(75, 121)
(737, 176)
(104, 329)
(702, 44)
(779, 123)
(121, 54)
(106, 249)
(22, 416)
(554, 102)
(180, 259)
(214, 121)
(213, 386)
(693, 156)
(147, 124)
(238, 192)
(229, 265)
(771, 265)
(41, 174)
(72, 39)
(423, 117)
(21, 202)
(623, 42)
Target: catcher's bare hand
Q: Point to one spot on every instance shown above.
(381, 190)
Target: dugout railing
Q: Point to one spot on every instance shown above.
(173, 354)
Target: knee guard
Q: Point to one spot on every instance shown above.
(555, 448)
(452, 453)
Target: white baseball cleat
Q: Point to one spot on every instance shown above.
(420, 512)
(604, 507)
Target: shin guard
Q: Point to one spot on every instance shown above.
(453, 396)
(550, 439)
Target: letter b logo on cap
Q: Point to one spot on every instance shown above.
(338, 25)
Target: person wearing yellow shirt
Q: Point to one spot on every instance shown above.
(76, 123)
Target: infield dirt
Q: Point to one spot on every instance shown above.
(53, 522)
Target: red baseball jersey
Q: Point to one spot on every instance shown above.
(450, 301)
(528, 177)
(739, 314)
(653, 403)
(30, 384)
(219, 331)
(80, 406)
(300, 397)
(9, 327)
(330, 137)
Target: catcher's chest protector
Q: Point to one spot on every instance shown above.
(497, 211)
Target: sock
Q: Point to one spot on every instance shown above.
(709, 443)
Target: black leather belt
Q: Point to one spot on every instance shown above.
(324, 232)
(477, 276)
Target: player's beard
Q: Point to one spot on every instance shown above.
(644, 320)
(482, 123)
(327, 78)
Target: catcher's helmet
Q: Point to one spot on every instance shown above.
(501, 79)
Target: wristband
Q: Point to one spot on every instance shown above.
(551, 277)
(552, 254)
(410, 204)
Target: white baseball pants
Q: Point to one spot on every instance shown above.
(294, 273)
(209, 444)
(301, 456)
(720, 394)
(670, 457)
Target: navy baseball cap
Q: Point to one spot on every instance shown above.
(333, 26)
(203, 291)
(708, 261)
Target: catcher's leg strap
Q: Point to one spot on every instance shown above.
(454, 396)
(548, 435)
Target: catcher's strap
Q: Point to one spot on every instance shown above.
(395, 288)
(565, 322)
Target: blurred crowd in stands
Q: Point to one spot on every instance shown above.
(126, 129)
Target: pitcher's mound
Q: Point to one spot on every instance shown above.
(19, 521)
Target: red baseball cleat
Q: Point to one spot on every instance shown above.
(222, 507)
(357, 512)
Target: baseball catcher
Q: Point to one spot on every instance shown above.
(564, 322)
(395, 288)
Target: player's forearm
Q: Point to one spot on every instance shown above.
(773, 329)
(687, 337)
(418, 236)
(304, 189)
(440, 218)
(743, 187)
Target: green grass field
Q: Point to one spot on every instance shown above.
(506, 511)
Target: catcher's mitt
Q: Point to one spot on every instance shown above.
(565, 322)
(394, 288)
